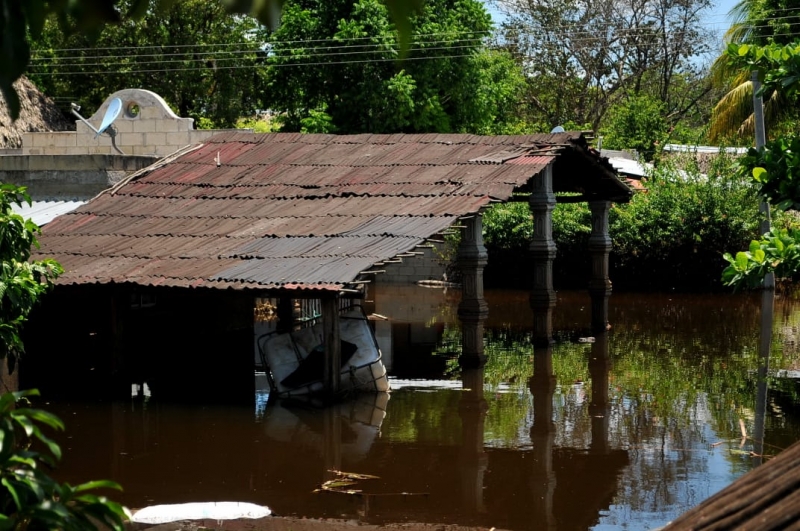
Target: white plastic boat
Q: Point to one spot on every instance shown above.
(294, 360)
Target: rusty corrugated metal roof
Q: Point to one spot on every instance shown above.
(291, 211)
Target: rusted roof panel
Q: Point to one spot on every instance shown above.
(531, 160)
(291, 211)
(329, 270)
(419, 227)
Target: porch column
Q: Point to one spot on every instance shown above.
(543, 474)
(472, 310)
(474, 461)
(599, 248)
(332, 344)
(599, 406)
(543, 251)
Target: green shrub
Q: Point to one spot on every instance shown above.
(508, 226)
(674, 235)
(671, 237)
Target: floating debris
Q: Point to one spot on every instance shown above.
(163, 514)
(344, 480)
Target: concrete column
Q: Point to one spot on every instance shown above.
(599, 248)
(472, 310)
(543, 475)
(331, 441)
(474, 461)
(543, 251)
(332, 344)
(599, 367)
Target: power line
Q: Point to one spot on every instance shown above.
(364, 49)
(243, 67)
(218, 63)
(330, 42)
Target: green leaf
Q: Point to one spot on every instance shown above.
(759, 174)
(741, 261)
(45, 417)
(98, 484)
(13, 491)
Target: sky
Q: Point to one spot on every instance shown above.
(718, 16)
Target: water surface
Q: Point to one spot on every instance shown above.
(625, 432)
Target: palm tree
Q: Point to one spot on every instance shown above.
(752, 22)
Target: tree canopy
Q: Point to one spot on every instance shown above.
(334, 66)
(202, 60)
(23, 21)
(581, 58)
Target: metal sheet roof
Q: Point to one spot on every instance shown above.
(43, 212)
(289, 211)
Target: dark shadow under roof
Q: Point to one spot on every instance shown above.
(275, 212)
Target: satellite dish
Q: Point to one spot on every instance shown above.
(114, 108)
(558, 129)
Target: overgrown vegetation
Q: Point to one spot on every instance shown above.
(670, 237)
(774, 167)
(333, 68)
(22, 282)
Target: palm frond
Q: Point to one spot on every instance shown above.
(775, 108)
(732, 111)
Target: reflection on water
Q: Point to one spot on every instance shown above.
(620, 431)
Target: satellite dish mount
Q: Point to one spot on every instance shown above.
(112, 113)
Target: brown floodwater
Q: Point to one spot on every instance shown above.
(623, 432)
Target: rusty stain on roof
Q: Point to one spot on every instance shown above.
(300, 212)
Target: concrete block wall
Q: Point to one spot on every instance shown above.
(426, 266)
(68, 177)
(145, 126)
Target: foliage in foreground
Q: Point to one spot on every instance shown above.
(22, 282)
(775, 252)
(774, 167)
(29, 497)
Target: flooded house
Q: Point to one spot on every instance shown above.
(167, 256)
(162, 270)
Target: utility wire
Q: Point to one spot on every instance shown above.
(551, 30)
(297, 59)
(243, 67)
(364, 48)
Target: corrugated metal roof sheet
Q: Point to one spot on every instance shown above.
(290, 211)
(43, 212)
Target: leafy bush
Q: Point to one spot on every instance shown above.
(29, 497)
(674, 235)
(508, 226)
(671, 237)
(776, 168)
(22, 282)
